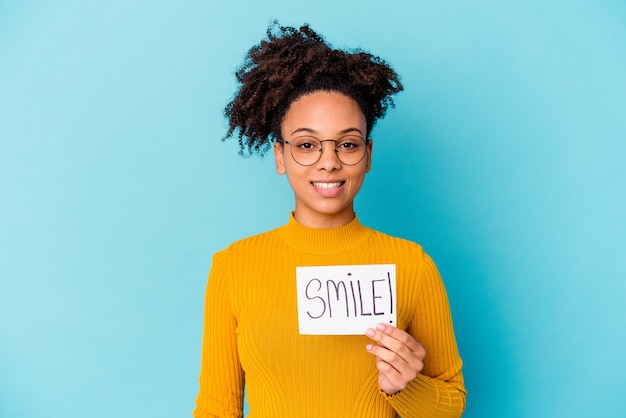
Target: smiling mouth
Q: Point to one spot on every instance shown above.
(328, 185)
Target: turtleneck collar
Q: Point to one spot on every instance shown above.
(324, 240)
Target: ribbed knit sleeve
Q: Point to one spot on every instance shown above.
(439, 390)
(221, 375)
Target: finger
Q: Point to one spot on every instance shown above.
(392, 379)
(390, 358)
(397, 355)
(394, 367)
(399, 335)
(394, 346)
(406, 348)
(404, 364)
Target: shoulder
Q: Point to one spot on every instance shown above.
(252, 242)
(406, 253)
(401, 244)
(241, 253)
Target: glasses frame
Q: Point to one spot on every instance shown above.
(336, 141)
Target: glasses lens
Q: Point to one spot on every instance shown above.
(306, 150)
(350, 149)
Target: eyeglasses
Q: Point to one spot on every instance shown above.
(307, 150)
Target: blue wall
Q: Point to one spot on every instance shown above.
(504, 158)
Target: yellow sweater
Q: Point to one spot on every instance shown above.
(251, 332)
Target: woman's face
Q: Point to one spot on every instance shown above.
(324, 191)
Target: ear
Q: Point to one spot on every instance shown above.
(368, 162)
(279, 149)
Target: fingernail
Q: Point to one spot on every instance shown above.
(370, 332)
(368, 347)
(380, 327)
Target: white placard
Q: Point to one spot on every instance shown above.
(345, 300)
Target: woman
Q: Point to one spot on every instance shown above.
(316, 107)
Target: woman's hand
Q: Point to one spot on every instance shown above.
(399, 358)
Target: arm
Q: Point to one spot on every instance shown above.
(221, 375)
(420, 370)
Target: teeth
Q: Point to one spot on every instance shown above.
(327, 185)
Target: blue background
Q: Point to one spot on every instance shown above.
(504, 158)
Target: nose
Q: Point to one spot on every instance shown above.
(328, 159)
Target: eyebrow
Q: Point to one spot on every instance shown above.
(313, 131)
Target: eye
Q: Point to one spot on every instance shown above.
(306, 144)
(350, 144)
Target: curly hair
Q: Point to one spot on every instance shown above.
(294, 62)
